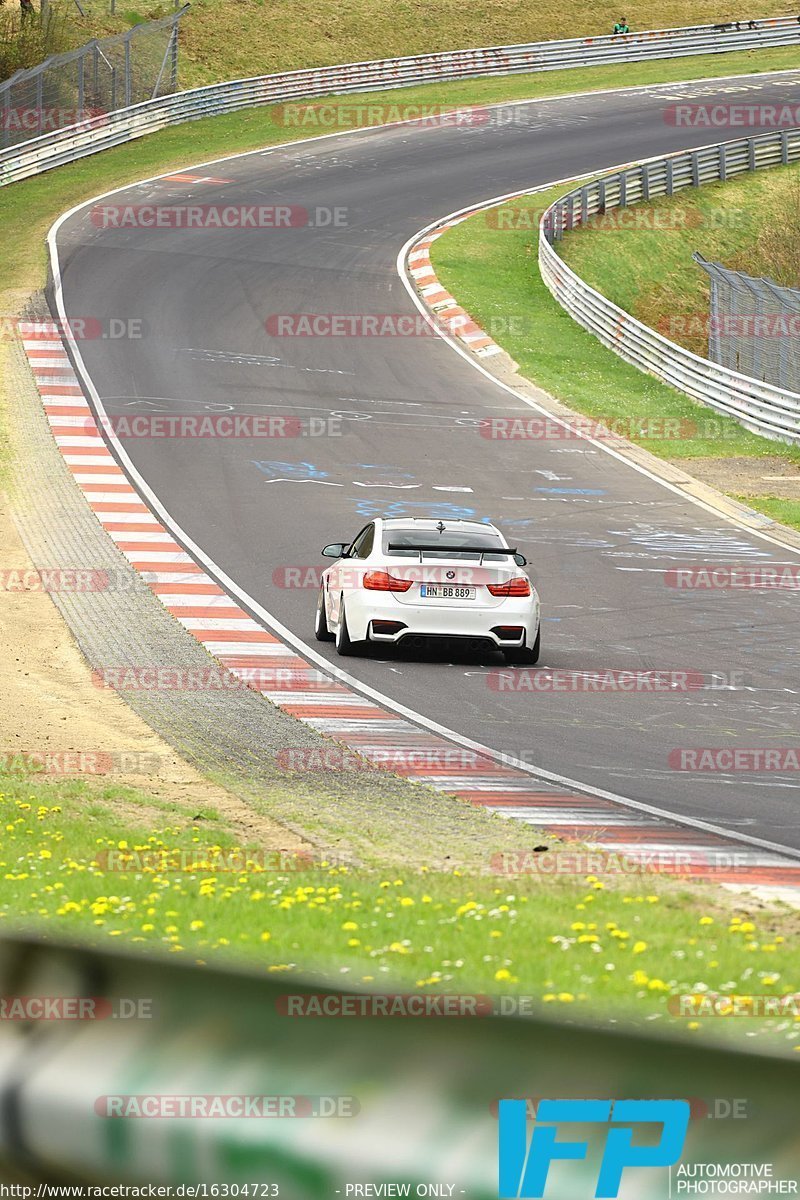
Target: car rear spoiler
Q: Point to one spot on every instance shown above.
(440, 549)
(453, 549)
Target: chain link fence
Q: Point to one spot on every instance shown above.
(754, 326)
(86, 84)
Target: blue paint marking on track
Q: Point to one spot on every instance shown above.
(441, 510)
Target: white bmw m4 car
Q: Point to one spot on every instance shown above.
(409, 581)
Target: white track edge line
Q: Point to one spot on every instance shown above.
(266, 617)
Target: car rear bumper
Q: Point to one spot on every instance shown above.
(515, 622)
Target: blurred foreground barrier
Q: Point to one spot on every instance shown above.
(761, 407)
(414, 1098)
(122, 125)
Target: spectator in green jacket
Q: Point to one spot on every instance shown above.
(622, 26)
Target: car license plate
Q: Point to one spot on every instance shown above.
(446, 591)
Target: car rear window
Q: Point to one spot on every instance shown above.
(451, 542)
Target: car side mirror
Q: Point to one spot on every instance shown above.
(520, 560)
(335, 550)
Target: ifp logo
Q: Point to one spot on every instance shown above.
(524, 1168)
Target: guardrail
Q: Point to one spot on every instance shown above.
(97, 1085)
(115, 128)
(760, 407)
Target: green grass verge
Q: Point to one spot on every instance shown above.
(463, 953)
(785, 511)
(647, 268)
(28, 209)
(493, 272)
(490, 264)
(569, 942)
(224, 39)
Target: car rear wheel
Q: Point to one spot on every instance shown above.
(526, 656)
(321, 631)
(344, 645)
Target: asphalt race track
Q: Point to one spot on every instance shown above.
(599, 535)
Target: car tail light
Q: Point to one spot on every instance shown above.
(382, 581)
(520, 585)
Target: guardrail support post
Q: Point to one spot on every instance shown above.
(751, 154)
(669, 183)
(784, 146)
(173, 74)
(695, 169)
(645, 181)
(623, 189)
(723, 165)
(127, 71)
(81, 94)
(6, 117)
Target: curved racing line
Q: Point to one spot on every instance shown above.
(350, 709)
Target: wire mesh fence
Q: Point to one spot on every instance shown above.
(86, 84)
(753, 326)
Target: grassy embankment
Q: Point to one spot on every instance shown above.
(489, 263)
(570, 943)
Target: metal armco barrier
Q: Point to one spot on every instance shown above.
(113, 129)
(760, 407)
(412, 1098)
